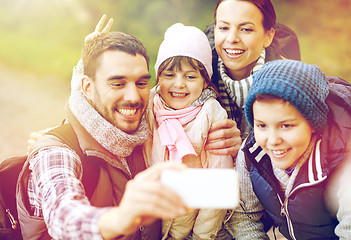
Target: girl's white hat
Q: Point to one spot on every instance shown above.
(188, 41)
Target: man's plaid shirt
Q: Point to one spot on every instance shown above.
(56, 193)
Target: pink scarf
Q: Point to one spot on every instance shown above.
(171, 129)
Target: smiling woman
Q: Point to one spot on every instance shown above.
(240, 35)
(244, 40)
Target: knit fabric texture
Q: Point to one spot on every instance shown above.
(120, 143)
(302, 85)
(188, 41)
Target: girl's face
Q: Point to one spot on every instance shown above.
(240, 36)
(181, 87)
(281, 131)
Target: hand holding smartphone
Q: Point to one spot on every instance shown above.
(205, 188)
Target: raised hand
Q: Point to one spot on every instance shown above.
(99, 28)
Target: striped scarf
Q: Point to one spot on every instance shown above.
(234, 93)
(238, 90)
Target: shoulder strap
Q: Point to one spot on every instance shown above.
(66, 133)
(289, 46)
(9, 171)
(340, 92)
(91, 174)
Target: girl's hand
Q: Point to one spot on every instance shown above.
(98, 29)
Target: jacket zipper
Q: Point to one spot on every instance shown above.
(284, 212)
(284, 206)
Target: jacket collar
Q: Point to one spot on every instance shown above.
(312, 170)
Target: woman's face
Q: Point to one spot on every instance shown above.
(240, 36)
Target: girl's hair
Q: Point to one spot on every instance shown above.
(267, 10)
(176, 63)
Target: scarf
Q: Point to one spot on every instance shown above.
(171, 131)
(286, 181)
(119, 143)
(238, 89)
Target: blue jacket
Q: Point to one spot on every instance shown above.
(304, 214)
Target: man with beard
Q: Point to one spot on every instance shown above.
(107, 117)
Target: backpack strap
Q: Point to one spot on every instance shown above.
(9, 171)
(67, 135)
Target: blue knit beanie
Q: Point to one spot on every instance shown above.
(302, 85)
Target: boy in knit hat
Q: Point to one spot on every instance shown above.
(301, 129)
(184, 105)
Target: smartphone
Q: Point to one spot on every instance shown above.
(204, 188)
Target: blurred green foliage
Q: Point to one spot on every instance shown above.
(324, 32)
(46, 36)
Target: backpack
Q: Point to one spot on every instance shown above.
(10, 169)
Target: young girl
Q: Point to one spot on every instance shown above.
(184, 106)
(301, 137)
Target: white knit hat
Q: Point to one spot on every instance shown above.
(185, 41)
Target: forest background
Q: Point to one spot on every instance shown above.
(41, 40)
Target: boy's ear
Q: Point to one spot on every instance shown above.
(87, 87)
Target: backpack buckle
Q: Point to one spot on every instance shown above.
(12, 219)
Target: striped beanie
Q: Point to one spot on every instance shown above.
(302, 85)
(188, 41)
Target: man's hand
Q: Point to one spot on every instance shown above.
(224, 138)
(98, 29)
(145, 200)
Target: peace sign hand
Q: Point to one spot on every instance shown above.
(98, 31)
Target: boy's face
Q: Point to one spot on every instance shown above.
(120, 91)
(181, 87)
(282, 132)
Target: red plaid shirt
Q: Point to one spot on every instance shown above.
(56, 193)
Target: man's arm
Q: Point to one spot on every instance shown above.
(67, 212)
(145, 200)
(57, 194)
(224, 138)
